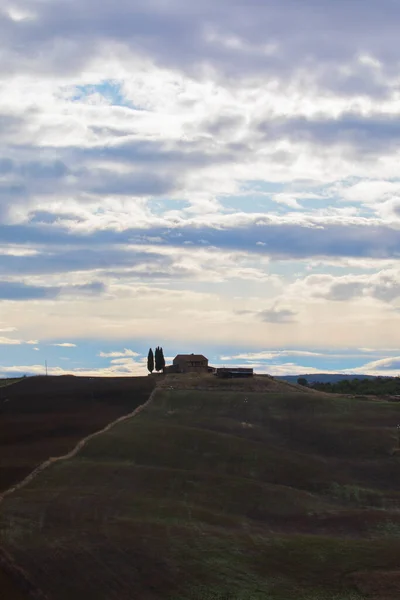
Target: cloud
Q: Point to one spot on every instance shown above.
(5, 341)
(59, 260)
(65, 345)
(384, 364)
(241, 40)
(121, 354)
(128, 368)
(379, 350)
(9, 341)
(93, 288)
(315, 236)
(13, 290)
(370, 191)
(388, 367)
(277, 315)
(383, 285)
(287, 200)
(372, 134)
(270, 354)
(173, 171)
(18, 291)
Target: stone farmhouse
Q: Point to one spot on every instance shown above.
(189, 363)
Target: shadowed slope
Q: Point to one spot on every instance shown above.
(219, 494)
(42, 417)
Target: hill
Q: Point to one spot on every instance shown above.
(218, 493)
(258, 383)
(322, 377)
(46, 416)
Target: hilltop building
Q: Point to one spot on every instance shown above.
(189, 363)
(234, 372)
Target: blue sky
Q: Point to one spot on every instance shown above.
(216, 179)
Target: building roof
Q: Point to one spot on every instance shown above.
(195, 357)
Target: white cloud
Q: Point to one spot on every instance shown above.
(188, 169)
(127, 369)
(379, 350)
(65, 345)
(286, 199)
(15, 342)
(124, 353)
(288, 368)
(270, 355)
(370, 191)
(9, 341)
(383, 286)
(390, 365)
(384, 367)
(18, 13)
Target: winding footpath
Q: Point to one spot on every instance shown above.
(11, 576)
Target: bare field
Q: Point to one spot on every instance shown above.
(42, 417)
(220, 494)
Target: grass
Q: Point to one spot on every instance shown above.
(48, 416)
(389, 528)
(356, 495)
(9, 381)
(219, 494)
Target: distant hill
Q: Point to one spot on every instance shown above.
(323, 377)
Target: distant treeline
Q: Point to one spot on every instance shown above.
(377, 385)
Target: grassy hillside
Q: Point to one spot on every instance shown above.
(46, 416)
(220, 494)
(9, 381)
(323, 377)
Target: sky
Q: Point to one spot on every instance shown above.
(211, 177)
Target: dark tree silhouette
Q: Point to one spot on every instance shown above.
(157, 358)
(150, 361)
(379, 386)
(162, 360)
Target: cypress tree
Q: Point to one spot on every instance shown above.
(150, 361)
(157, 358)
(162, 360)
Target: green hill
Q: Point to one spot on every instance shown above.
(220, 493)
(323, 377)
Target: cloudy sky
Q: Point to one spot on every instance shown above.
(216, 177)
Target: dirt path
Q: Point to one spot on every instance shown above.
(15, 584)
(6, 385)
(75, 450)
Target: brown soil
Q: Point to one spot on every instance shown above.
(14, 583)
(378, 585)
(9, 589)
(42, 417)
